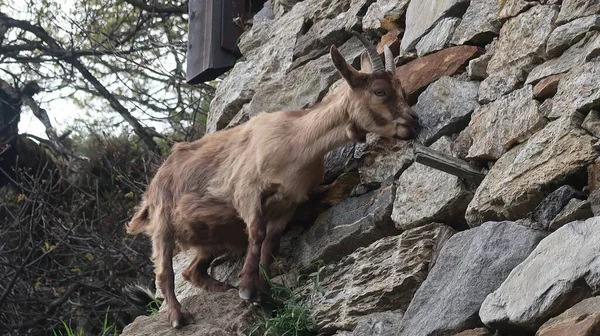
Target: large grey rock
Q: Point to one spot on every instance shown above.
(497, 85)
(378, 324)
(471, 265)
(522, 41)
(577, 55)
(384, 14)
(551, 206)
(339, 26)
(562, 270)
(438, 38)
(269, 49)
(338, 161)
(578, 90)
(353, 223)
(445, 107)
(479, 23)
(304, 86)
(423, 15)
(212, 313)
(570, 33)
(426, 195)
(382, 158)
(498, 126)
(380, 277)
(572, 9)
(512, 8)
(514, 186)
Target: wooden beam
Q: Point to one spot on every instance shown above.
(447, 163)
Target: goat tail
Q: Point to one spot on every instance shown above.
(141, 296)
(140, 220)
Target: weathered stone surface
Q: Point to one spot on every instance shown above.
(354, 223)
(495, 86)
(268, 48)
(591, 123)
(338, 161)
(426, 195)
(378, 324)
(417, 74)
(475, 332)
(573, 211)
(477, 68)
(380, 277)
(582, 308)
(508, 121)
(304, 86)
(545, 108)
(339, 26)
(572, 9)
(551, 206)
(522, 41)
(462, 143)
(570, 33)
(422, 16)
(576, 55)
(512, 8)
(580, 326)
(479, 23)
(240, 118)
(471, 265)
(514, 185)
(562, 270)
(445, 107)
(382, 158)
(391, 39)
(384, 14)
(213, 314)
(547, 87)
(438, 38)
(578, 90)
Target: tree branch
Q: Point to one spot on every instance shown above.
(141, 4)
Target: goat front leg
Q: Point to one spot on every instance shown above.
(250, 271)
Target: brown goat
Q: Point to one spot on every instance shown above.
(237, 189)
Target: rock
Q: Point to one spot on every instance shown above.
(522, 42)
(304, 86)
(576, 55)
(426, 195)
(471, 265)
(479, 23)
(380, 277)
(514, 186)
(269, 49)
(418, 74)
(462, 143)
(391, 39)
(213, 314)
(551, 206)
(572, 9)
(335, 30)
(591, 123)
(378, 324)
(477, 68)
(547, 87)
(495, 86)
(351, 224)
(240, 118)
(445, 108)
(580, 310)
(475, 332)
(512, 8)
(438, 38)
(383, 158)
(573, 211)
(545, 108)
(570, 33)
(498, 126)
(578, 90)
(421, 17)
(583, 326)
(338, 161)
(561, 271)
(384, 14)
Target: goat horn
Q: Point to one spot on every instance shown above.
(373, 56)
(390, 65)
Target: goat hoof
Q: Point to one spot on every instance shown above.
(245, 294)
(179, 319)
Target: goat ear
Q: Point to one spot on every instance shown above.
(365, 63)
(352, 77)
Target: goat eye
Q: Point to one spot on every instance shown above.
(379, 93)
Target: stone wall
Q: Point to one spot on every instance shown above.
(512, 87)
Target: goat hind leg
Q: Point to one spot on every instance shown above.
(197, 274)
(250, 271)
(270, 247)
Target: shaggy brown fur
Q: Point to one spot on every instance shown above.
(236, 189)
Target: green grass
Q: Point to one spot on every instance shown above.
(293, 314)
(67, 330)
